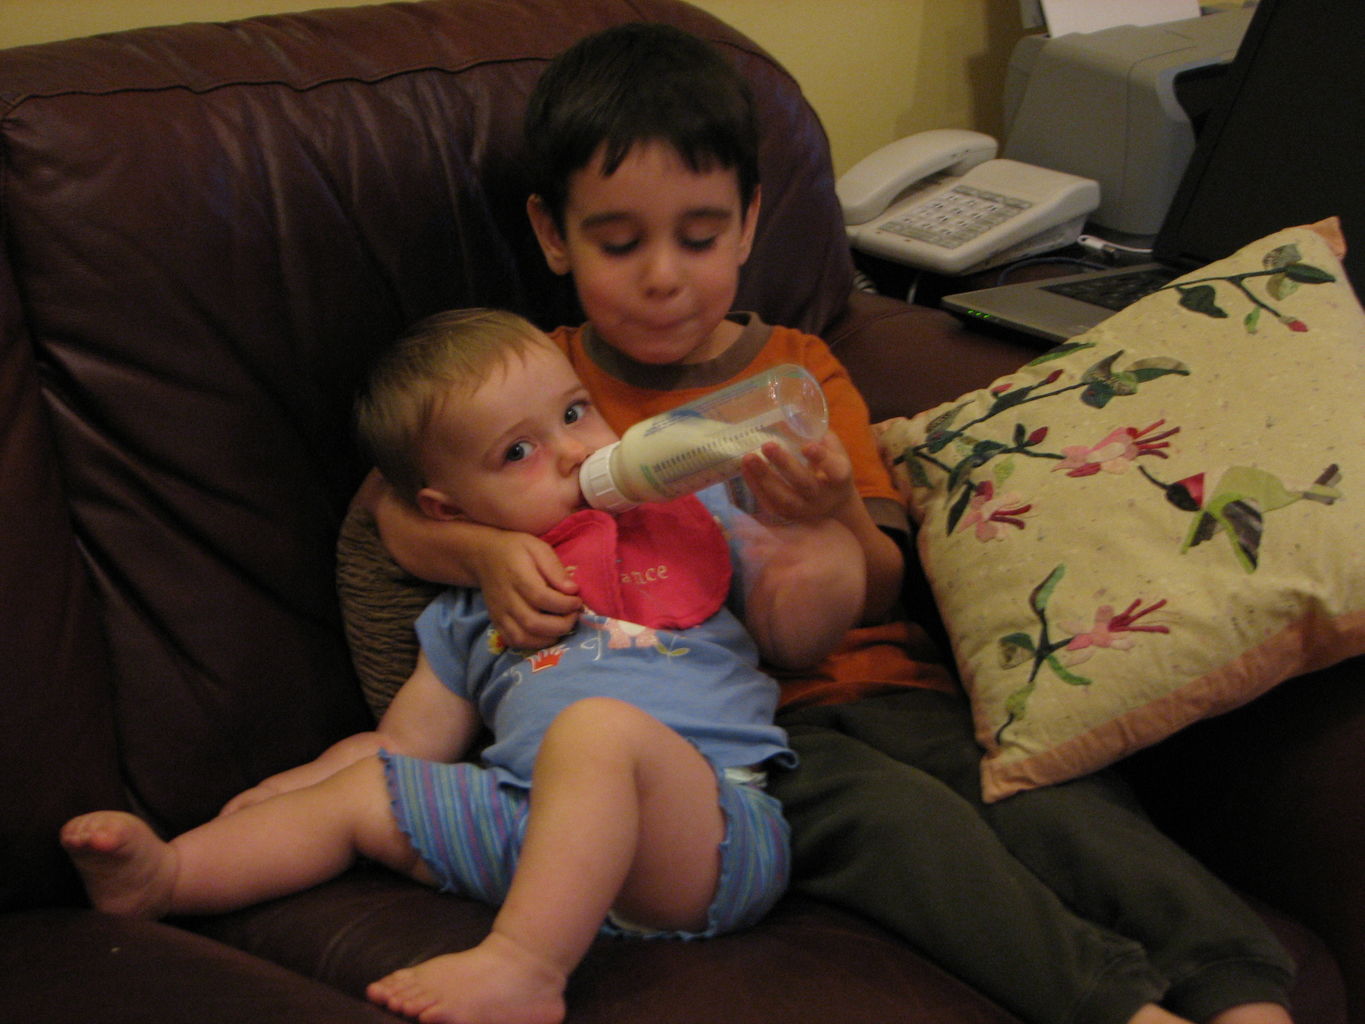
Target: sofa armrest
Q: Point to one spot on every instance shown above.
(906, 358)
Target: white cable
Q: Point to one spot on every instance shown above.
(1095, 244)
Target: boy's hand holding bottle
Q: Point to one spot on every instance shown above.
(815, 484)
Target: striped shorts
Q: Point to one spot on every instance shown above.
(468, 826)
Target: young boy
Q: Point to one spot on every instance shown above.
(1062, 904)
(609, 749)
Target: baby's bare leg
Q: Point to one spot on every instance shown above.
(624, 815)
(270, 849)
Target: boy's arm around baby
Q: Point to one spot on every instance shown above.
(424, 720)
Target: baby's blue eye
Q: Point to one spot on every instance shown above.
(518, 451)
(576, 411)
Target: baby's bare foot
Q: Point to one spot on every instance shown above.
(126, 867)
(1153, 1014)
(496, 982)
(1253, 1013)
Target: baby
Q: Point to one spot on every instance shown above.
(644, 735)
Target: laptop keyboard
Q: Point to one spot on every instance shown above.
(1115, 291)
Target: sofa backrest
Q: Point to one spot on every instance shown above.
(207, 232)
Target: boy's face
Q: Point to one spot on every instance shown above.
(655, 251)
(507, 454)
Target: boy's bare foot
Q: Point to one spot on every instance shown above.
(1246, 1013)
(496, 982)
(126, 867)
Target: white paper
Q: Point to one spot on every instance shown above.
(1064, 16)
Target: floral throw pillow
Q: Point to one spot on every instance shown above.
(1155, 522)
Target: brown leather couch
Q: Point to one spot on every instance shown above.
(205, 233)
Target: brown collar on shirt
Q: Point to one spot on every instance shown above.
(681, 376)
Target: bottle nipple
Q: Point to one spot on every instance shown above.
(597, 483)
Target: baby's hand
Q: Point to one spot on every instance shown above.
(531, 599)
(796, 488)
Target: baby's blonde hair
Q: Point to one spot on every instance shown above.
(457, 349)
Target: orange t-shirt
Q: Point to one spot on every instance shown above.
(870, 658)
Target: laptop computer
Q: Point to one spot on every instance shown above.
(1282, 146)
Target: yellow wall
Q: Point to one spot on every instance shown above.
(873, 69)
(878, 69)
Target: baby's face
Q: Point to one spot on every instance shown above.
(508, 453)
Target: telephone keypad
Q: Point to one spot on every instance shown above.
(956, 216)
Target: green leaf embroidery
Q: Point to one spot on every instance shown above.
(959, 508)
(1157, 366)
(1306, 273)
(982, 453)
(1003, 471)
(1201, 298)
(1061, 351)
(939, 436)
(1015, 649)
(1042, 593)
(1281, 256)
(919, 476)
(1285, 270)
(1280, 287)
(1065, 674)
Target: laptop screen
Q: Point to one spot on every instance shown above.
(1284, 144)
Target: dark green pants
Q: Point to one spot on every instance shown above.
(1063, 904)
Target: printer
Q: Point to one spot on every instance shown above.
(1121, 106)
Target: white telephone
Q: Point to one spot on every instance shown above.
(937, 200)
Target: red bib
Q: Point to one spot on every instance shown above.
(664, 565)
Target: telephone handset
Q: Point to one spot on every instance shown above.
(938, 200)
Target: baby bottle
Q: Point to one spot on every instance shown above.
(701, 443)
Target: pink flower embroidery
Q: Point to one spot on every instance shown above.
(990, 515)
(1116, 451)
(1108, 629)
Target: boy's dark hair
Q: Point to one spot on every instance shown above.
(635, 83)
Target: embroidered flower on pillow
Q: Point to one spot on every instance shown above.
(962, 452)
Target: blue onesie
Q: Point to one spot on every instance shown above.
(703, 681)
